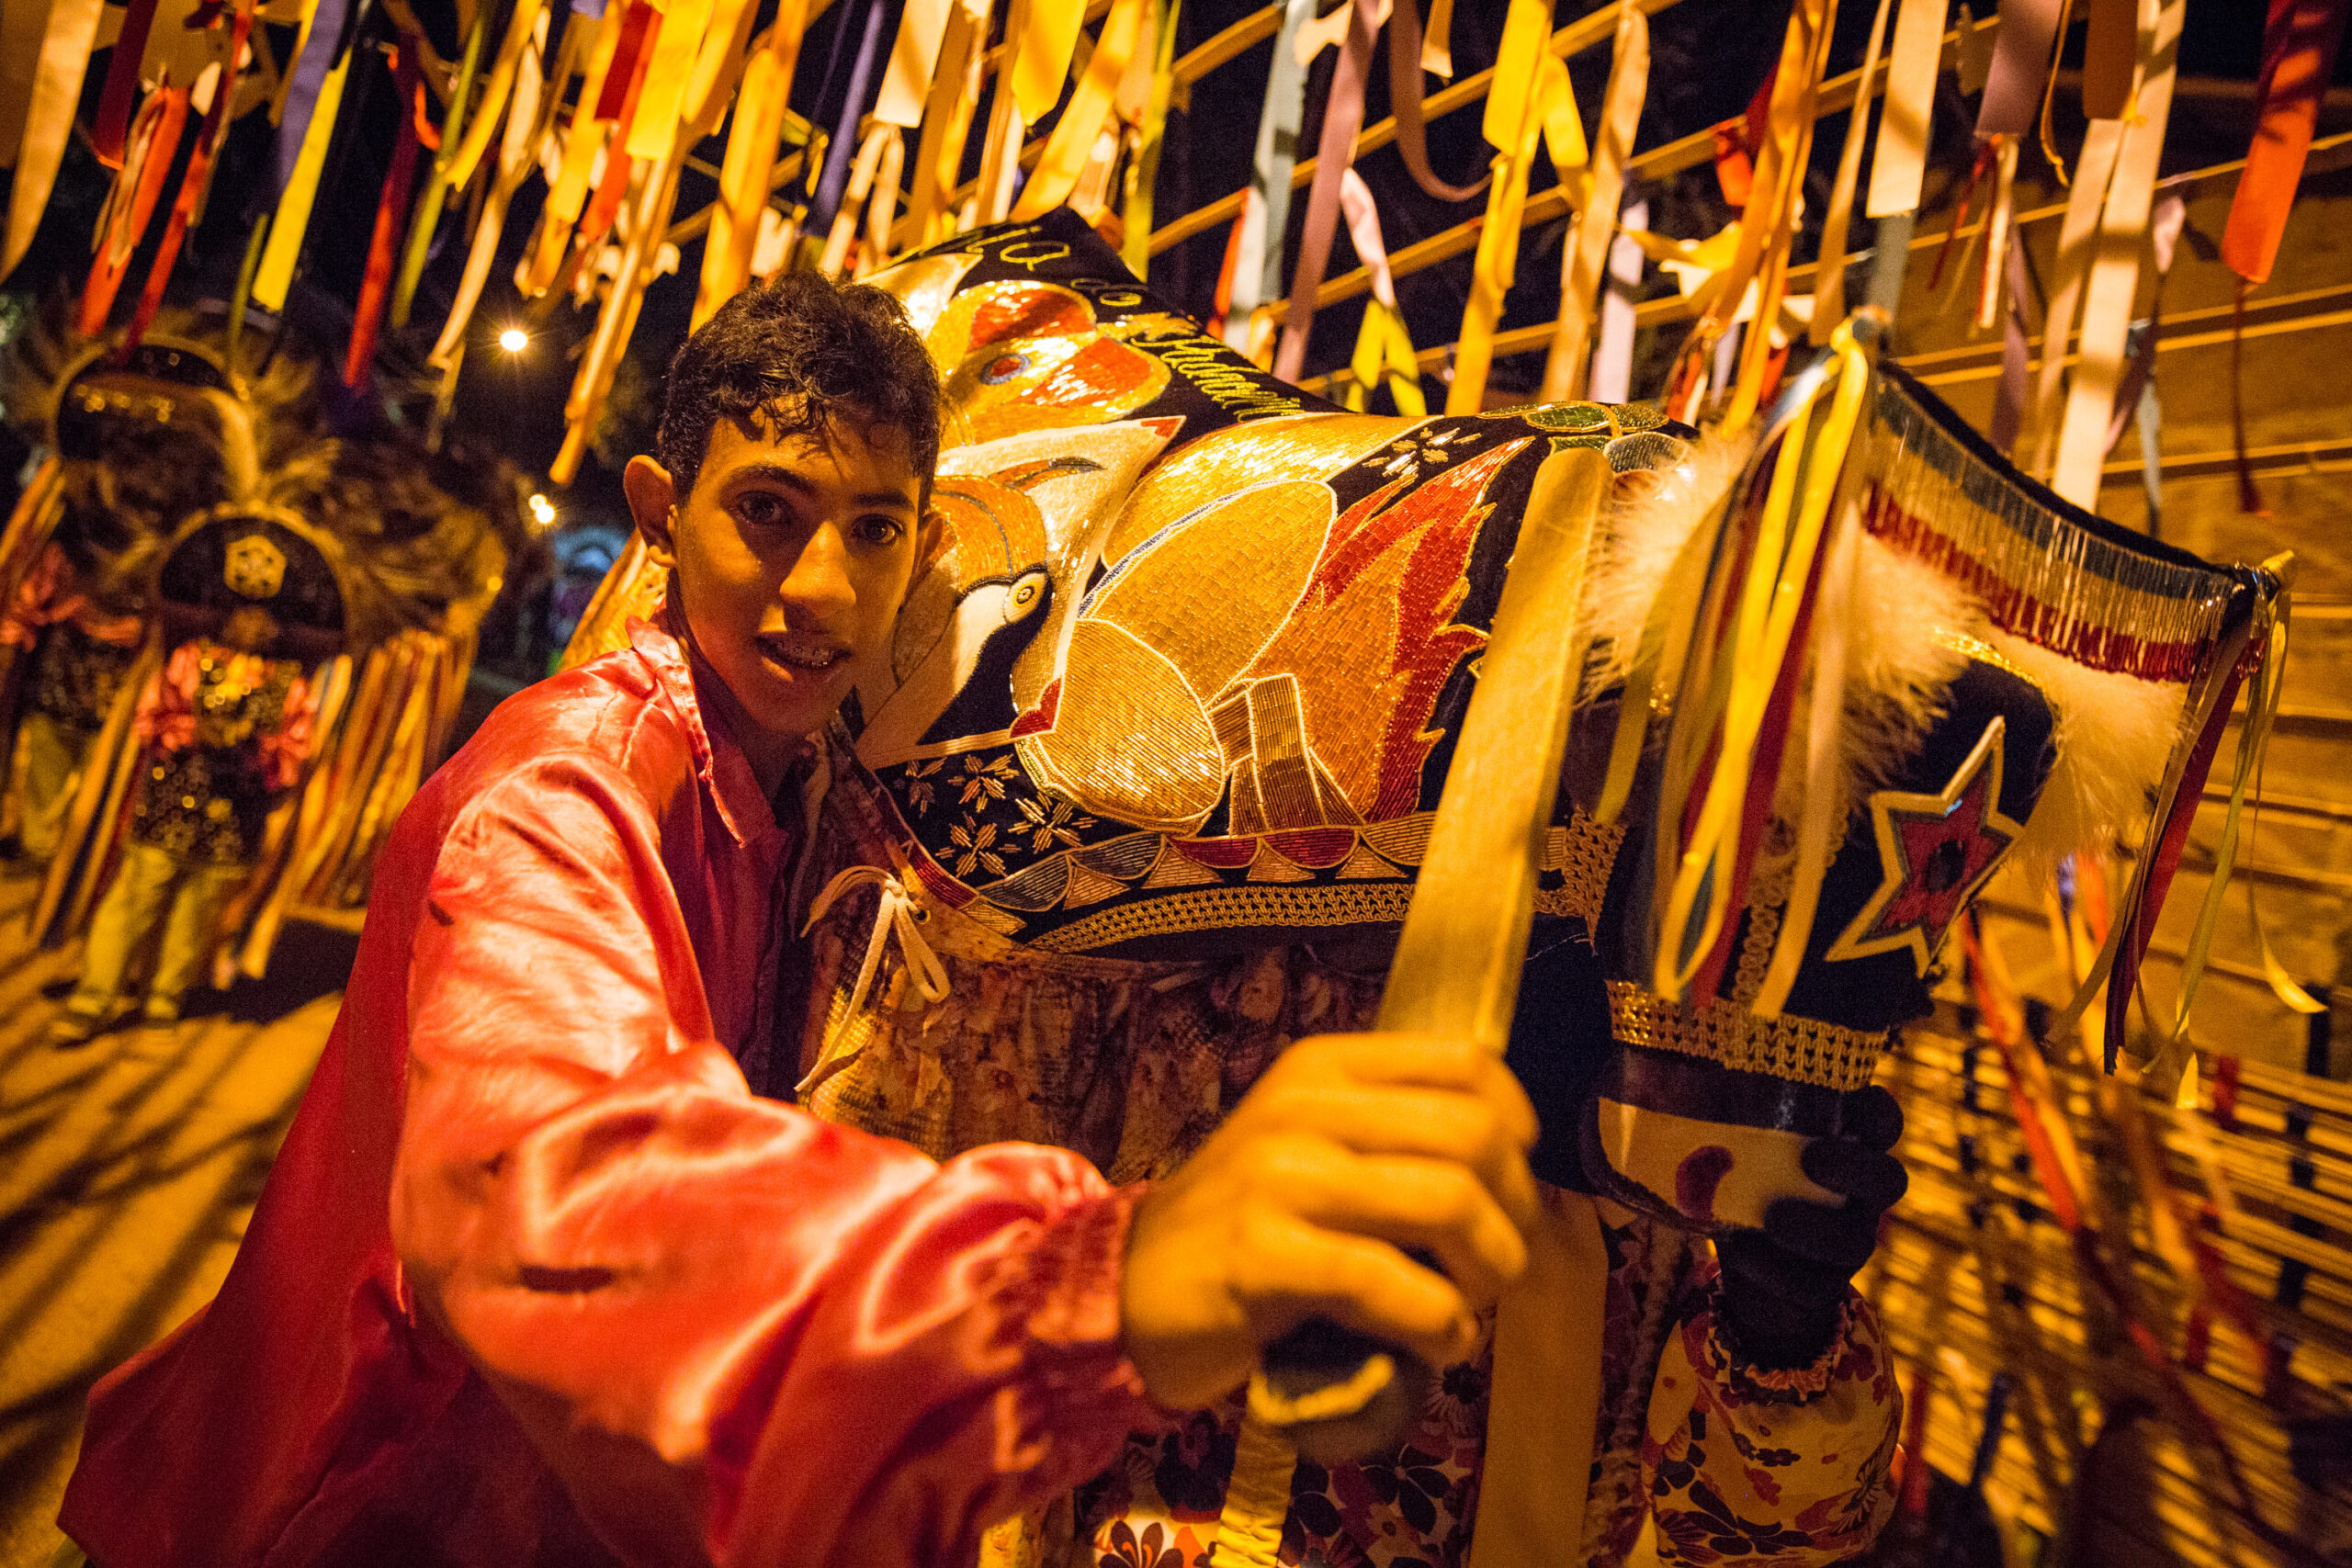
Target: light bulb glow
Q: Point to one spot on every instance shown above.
(543, 510)
(513, 340)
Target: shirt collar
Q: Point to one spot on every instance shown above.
(720, 762)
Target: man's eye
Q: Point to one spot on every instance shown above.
(762, 510)
(879, 530)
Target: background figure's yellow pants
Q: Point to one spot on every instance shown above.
(152, 888)
(50, 755)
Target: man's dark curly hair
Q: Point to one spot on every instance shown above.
(792, 356)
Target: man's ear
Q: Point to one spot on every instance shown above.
(931, 540)
(651, 501)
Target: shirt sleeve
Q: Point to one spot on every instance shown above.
(737, 1334)
(1788, 1469)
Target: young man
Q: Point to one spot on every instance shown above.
(539, 1279)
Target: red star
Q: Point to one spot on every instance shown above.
(1936, 851)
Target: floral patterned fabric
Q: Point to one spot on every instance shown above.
(1131, 1065)
(222, 733)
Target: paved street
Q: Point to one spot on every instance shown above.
(128, 1167)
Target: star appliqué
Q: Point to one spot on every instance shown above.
(1936, 852)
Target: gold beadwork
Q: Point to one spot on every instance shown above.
(1230, 909)
(1804, 1050)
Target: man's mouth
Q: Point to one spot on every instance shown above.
(811, 654)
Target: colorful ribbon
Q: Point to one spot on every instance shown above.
(1048, 37)
(1724, 749)
(915, 61)
(568, 193)
(1829, 270)
(374, 286)
(2299, 48)
(2115, 271)
(1585, 249)
(1143, 167)
(196, 180)
(429, 201)
(1334, 159)
(2023, 50)
(760, 109)
(668, 67)
(323, 52)
(530, 104)
(1408, 56)
(292, 220)
(1900, 161)
(843, 145)
(1514, 119)
(1264, 220)
(150, 146)
(1071, 143)
(49, 119)
(111, 125)
(1765, 236)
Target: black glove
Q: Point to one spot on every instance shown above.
(1782, 1285)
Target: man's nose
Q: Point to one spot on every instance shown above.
(818, 582)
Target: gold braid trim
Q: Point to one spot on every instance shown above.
(1803, 1050)
(1227, 909)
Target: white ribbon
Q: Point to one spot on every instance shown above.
(897, 914)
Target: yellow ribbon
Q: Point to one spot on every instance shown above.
(285, 230)
(1073, 140)
(914, 62)
(946, 120)
(663, 95)
(1788, 537)
(1514, 118)
(1586, 252)
(2254, 742)
(760, 109)
(488, 114)
(1766, 230)
(1048, 36)
(1829, 275)
(1143, 167)
(1384, 357)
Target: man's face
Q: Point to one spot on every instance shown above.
(792, 557)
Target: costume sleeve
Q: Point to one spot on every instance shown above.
(737, 1334)
(1781, 1467)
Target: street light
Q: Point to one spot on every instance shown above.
(513, 340)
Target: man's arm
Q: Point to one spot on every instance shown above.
(724, 1323)
(738, 1332)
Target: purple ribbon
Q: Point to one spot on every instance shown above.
(330, 26)
(844, 146)
(2022, 57)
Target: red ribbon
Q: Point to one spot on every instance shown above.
(2298, 56)
(193, 182)
(112, 124)
(391, 210)
(119, 239)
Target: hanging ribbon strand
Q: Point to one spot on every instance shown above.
(1514, 119)
(1335, 158)
(49, 119)
(197, 178)
(1408, 58)
(1567, 363)
(751, 145)
(408, 89)
(1264, 217)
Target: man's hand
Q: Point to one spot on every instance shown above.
(1782, 1285)
(1351, 1148)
